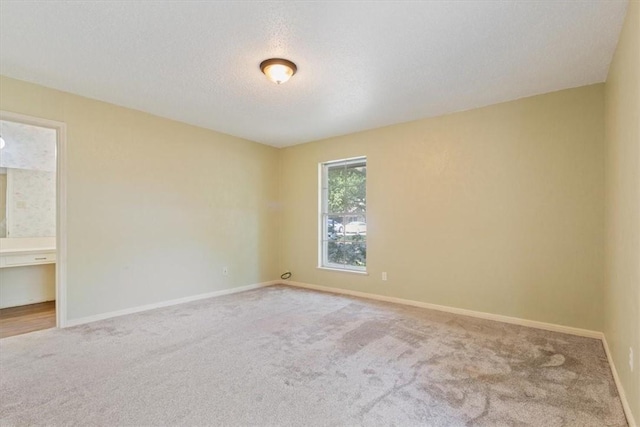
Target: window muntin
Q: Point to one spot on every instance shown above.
(343, 214)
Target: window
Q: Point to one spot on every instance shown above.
(343, 214)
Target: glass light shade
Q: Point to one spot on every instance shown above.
(278, 73)
(278, 70)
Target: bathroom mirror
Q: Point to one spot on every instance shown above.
(27, 181)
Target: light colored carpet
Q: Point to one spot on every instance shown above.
(286, 356)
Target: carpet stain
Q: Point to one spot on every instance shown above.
(286, 356)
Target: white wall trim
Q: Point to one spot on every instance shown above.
(461, 311)
(140, 308)
(489, 316)
(625, 403)
(61, 205)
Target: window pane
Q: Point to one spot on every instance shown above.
(335, 202)
(344, 219)
(353, 187)
(335, 227)
(336, 252)
(356, 226)
(347, 252)
(359, 254)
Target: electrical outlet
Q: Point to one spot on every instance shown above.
(225, 271)
(631, 358)
(384, 276)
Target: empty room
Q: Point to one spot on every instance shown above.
(320, 213)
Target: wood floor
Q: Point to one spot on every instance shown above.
(27, 318)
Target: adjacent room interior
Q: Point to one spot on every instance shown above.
(320, 213)
(27, 228)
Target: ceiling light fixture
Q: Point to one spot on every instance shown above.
(278, 70)
(2, 143)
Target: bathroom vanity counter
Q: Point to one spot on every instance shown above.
(27, 251)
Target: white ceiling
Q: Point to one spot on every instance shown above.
(361, 65)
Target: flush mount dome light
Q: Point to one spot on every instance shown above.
(278, 70)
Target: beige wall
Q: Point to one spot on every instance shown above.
(622, 167)
(498, 209)
(156, 208)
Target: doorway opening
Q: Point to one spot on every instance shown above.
(32, 224)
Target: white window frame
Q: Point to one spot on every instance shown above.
(61, 206)
(323, 214)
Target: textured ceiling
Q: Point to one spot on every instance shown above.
(361, 65)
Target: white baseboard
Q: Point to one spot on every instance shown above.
(20, 302)
(489, 316)
(625, 403)
(479, 314)
(138, 309)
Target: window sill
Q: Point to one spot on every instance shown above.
(343, 270)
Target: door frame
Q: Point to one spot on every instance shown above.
(61, 204)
